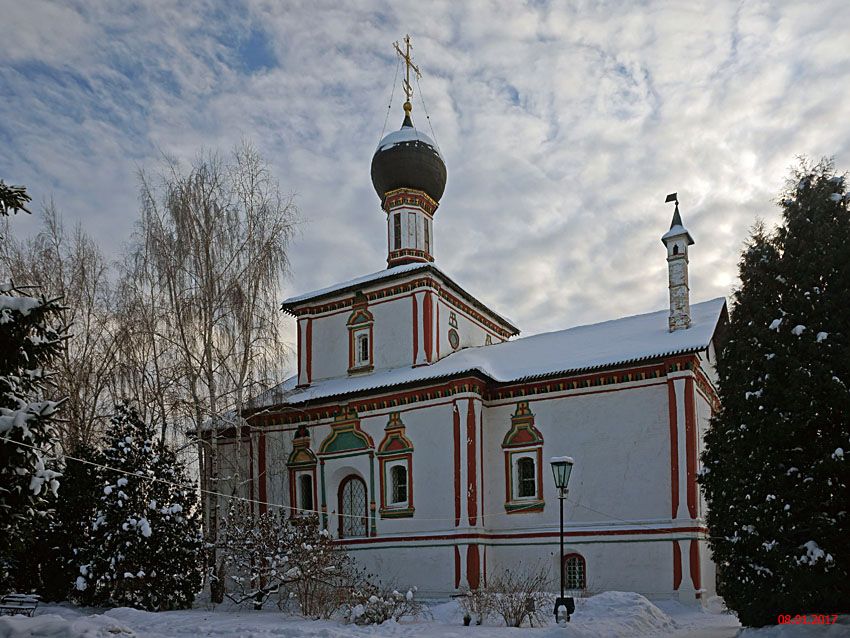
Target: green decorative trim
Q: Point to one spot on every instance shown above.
(346, 436)
(324, 498)
(395, 512)
(374, 530)
(517, 507)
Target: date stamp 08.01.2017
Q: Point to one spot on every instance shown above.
(806, 619)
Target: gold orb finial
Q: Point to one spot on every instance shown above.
(408, 107)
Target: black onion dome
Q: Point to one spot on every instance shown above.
(408, 158)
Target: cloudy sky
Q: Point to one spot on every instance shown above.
(563, 125)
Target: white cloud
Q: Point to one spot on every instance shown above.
(563, 128)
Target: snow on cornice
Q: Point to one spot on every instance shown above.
(366, 281)
(582, 348)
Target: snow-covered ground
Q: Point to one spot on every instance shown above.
(610, 614)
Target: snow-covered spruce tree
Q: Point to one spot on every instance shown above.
(145, 542)
(31, 335)
(775, 470)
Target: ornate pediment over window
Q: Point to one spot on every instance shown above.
(522, 432)
(394, 441)
(346, 435)
(301, 454)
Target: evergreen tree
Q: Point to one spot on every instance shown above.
(31, 335)
(69, 530)
(775, 473)
(145, 540)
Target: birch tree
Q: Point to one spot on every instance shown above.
(71, 267)
(211, 248)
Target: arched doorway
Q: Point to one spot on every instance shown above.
(353, 507)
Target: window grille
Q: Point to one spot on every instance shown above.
(576, 572)
(398, 482)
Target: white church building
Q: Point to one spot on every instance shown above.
(419, 425)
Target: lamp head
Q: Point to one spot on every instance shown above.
(562, 467)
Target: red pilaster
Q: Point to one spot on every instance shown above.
(300, 352)
(471, 466)
(674, 449)
(473, 567)
(309, 350)
(691, 446)
(427, 325)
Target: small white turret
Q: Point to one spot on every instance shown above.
(677, 240)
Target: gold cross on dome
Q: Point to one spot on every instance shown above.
(408, 62)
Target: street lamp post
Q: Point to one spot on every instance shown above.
(562, 466)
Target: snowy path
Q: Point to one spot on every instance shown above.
(608, 615)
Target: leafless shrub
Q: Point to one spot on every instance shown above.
(369, 604)
(517, 596)
(268, 554)
(476, 605)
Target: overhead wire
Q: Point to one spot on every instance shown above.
(269, 504)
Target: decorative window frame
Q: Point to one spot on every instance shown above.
(523, 440)
(389, 465)
(361, 322)
(395, 449)
(344, 440)
(302, 461)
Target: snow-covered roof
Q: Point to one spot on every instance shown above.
(386, 273)
(406, 134)
(391, 273)
(600, 345)
(676, 231)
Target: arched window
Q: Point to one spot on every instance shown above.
(576, 570)
(526, 477)
(353, 508)
(305, 492)
(398, 484)
(675, 249)
(523, 449)
(395, 458)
